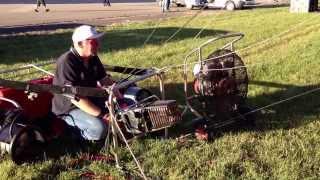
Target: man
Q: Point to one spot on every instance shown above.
(80, 66)
(39, 2)
(165, 5)
(106, 3)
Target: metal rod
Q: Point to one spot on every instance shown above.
(140, 78)
(117, 131)
(40, 69)
(14, 103)
(162, 90)
(163, 97)
(199, 51)
(25, 67)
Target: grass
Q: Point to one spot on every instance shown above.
(284, 145)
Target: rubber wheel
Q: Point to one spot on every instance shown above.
(189, 6)
(230, 6)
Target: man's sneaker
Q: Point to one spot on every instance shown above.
(47, 10)
(36, 10)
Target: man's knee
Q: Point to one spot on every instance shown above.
(98, 131)
(91, 127)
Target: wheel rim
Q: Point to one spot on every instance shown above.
(230, 6)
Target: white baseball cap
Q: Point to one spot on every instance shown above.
(85, 32)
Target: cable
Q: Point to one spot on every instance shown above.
(131, 74)
(115, 124)
(231, 120)
(153, 31)
(243, 49)
(275, 103)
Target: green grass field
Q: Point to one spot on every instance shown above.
(282, 53)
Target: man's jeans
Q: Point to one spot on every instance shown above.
(91, 128)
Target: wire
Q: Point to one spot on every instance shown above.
(178, 30)
(131, 74)
(243, 49)
(278, 35)
(276, 103)
(185, 24)
(114, 125)
(40, 69)
(153, 31)
(231, 120)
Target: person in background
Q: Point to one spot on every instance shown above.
(39, 2)
(165, 5)
(106, 3)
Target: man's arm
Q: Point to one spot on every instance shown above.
(87, 106)
(106, 81)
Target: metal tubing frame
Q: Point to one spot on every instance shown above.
(14, 103)
(117, 132)
(28, 66)
(230, 45)
(152, 72)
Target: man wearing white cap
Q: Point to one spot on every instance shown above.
(80, 66)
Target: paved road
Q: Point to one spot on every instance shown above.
(69, 1)
(23, 14)
(112, 1)
(15, 16)
(20, 18)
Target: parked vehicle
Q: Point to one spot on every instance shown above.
(229, 5)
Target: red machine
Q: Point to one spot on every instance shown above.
(26, 106)
(34, 106)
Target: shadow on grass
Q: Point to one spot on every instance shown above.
(39, 27)
(43, 46)
(291, 113)
(295, 103)
(287, 115)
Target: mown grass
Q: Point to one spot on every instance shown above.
(283, 145)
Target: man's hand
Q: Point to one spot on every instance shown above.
(106, 118)
(116, 91)
(108, 82)
(105, 82)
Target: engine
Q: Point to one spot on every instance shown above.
(143, 112)
(220, 84)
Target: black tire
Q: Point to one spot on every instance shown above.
(189, 6)
(230, 6)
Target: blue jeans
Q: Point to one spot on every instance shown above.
(90, 127)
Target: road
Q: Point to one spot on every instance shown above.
(70, 1)
(23, 16)
(19, 18)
